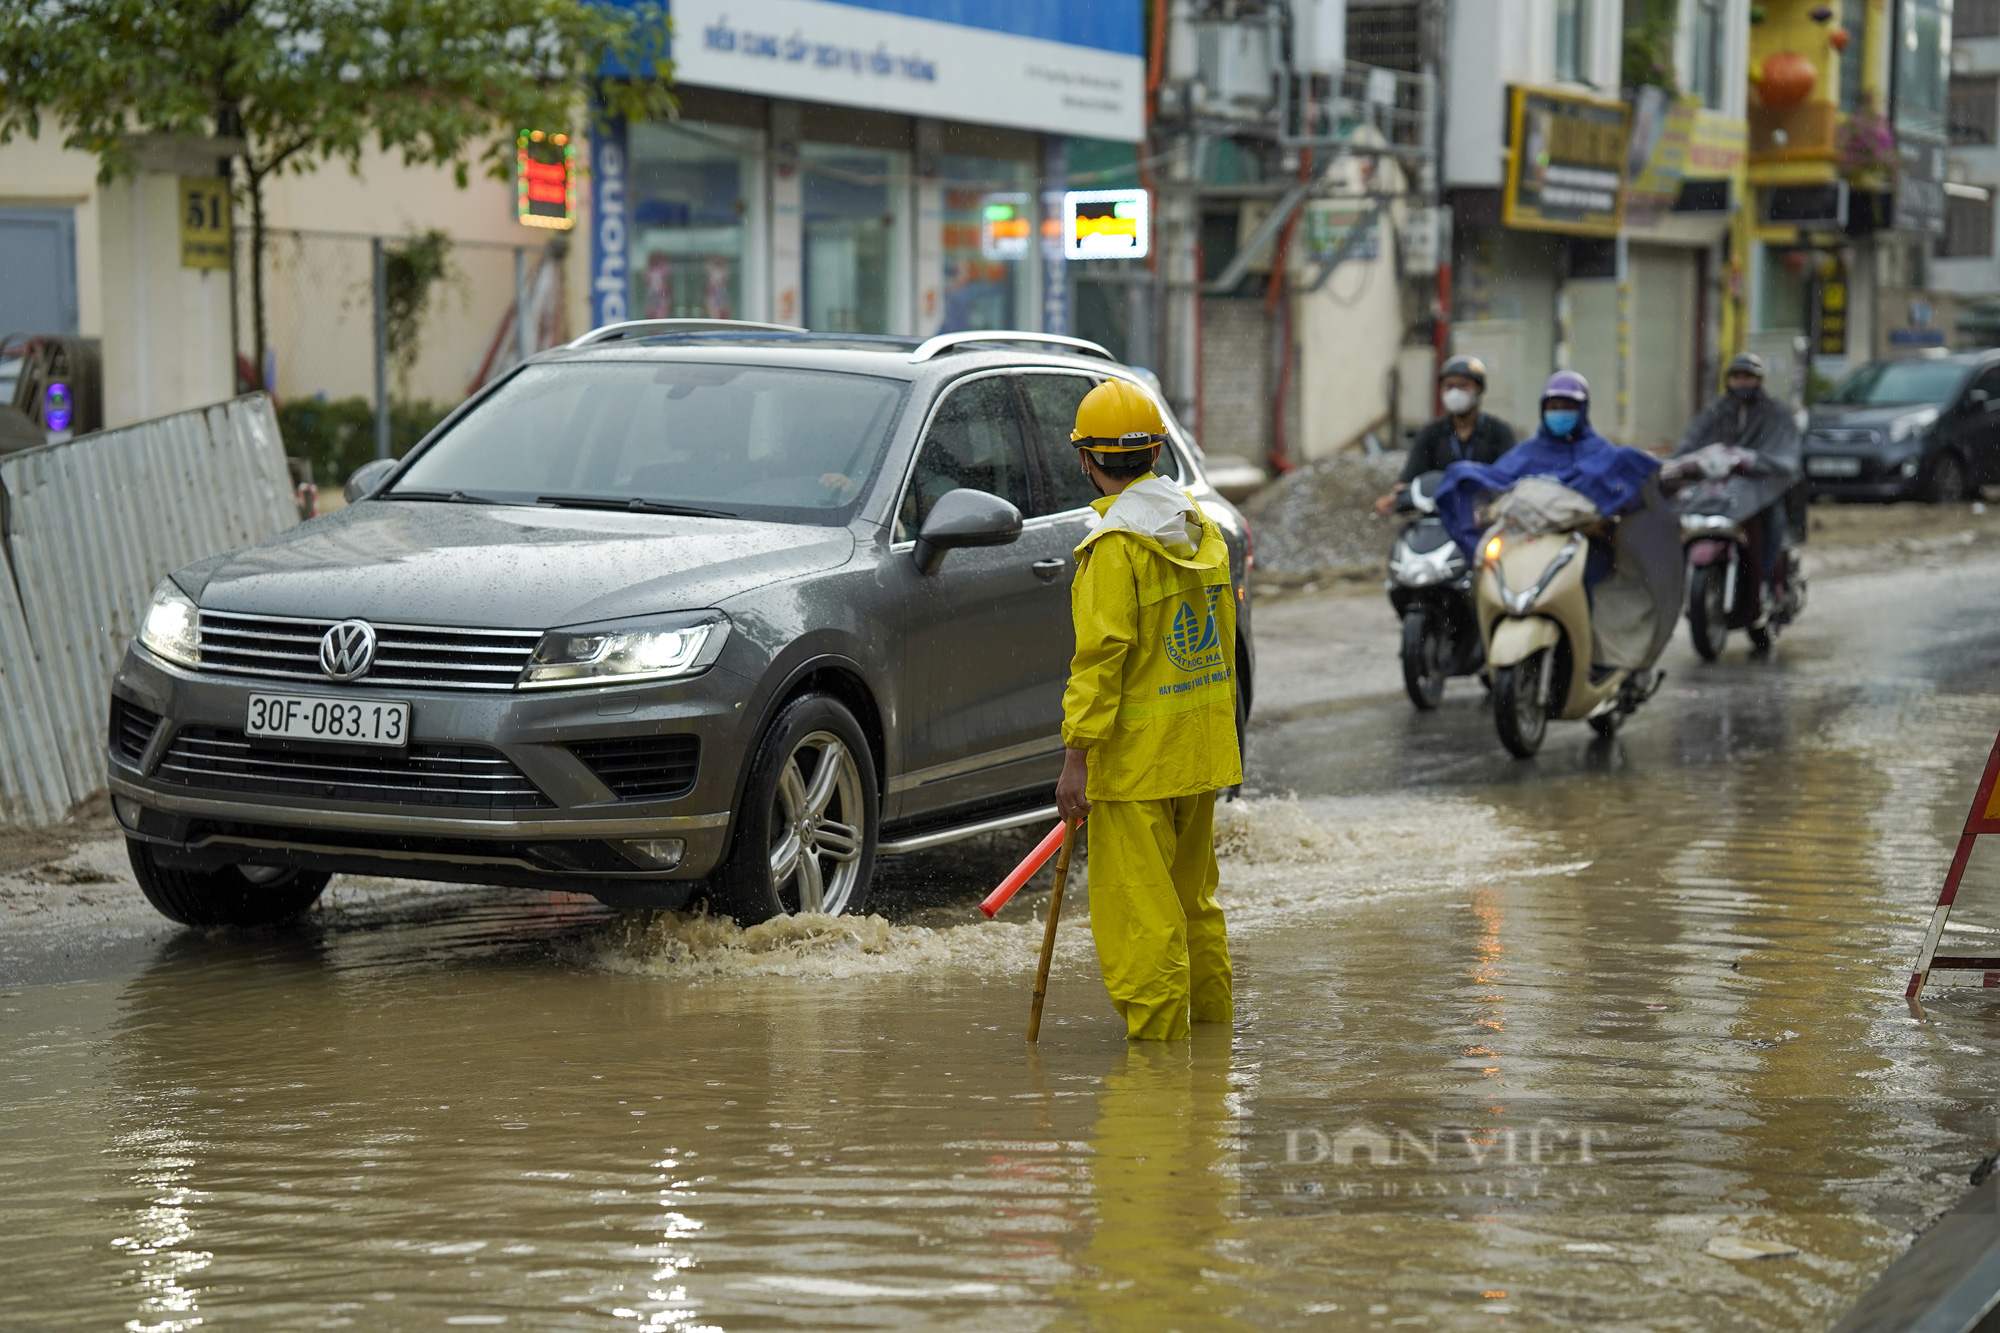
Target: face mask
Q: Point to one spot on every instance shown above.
(1459, 401)
(1561, 422)
(1745, 392)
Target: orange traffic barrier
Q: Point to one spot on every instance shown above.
(1023, 872)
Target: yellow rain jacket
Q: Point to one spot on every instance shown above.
(1152, 689)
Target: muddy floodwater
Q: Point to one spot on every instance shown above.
(1559, 1044)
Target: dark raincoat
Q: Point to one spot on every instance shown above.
(1608, 475)
(1761, 426)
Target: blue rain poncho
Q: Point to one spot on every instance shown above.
(1608, 475)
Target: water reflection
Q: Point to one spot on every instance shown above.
(1163, 1192)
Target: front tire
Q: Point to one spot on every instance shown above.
(1423, 660)
(231, 896)
(805, 841)
(1946, 484)
(1708, 617)
(1519, 714)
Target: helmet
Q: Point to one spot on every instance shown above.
(1118, 417)
(1746, 363)
(1567, 384)
(1465, 367)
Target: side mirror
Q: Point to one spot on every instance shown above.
(965, 518)
(368, 479)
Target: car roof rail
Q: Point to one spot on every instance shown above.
(945, 342)
(652, 328)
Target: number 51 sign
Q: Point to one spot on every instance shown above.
(206, 238)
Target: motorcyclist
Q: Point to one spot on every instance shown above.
(1567, 449)
(1748, 418)
(1462, 434)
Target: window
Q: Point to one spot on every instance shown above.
(748, 441)
(1923, 66)
(1706, 29)
(691, 191)
(851, 215)
(1053, 400)
(1573, 62)
(990, 234)
(1968, 227)
(1854, 18)
(1975, 109)
(1976, 18)
(1893, 383)
(974, 441)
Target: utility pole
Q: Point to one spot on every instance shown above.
(381, 347)
(524, 339)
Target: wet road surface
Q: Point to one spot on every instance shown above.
(1518, 1046)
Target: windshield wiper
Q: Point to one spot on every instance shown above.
(443, 497)
(634, 506)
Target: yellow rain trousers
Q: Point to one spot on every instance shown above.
(1152, 698)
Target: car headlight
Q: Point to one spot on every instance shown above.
(1904, 427)
(172, 626)
(623, 656)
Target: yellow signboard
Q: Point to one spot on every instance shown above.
(1718, 148)
(1566, 171)
(206, 238)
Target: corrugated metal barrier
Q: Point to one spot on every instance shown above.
(88, 528)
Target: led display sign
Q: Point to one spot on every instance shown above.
(1106, 224)
(545, 184)
(1006, 226)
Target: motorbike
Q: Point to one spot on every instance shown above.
(1555, 647)
(1717, 501)
(1430, 587)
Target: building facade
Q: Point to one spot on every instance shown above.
(868, 167)
(1592, 222)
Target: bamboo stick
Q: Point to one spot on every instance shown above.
(1049, 932)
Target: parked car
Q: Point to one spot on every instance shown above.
(682, 608)
(1922, 428)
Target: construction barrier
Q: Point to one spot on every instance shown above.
(87, 528)
(1961, 970)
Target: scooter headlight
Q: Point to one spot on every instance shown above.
(1491, 552)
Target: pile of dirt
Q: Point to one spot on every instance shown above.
(1318, 523)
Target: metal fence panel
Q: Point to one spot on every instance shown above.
(91, 526)
(33, 788)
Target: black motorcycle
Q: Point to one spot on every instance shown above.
(1718, 501)
(1430, 586)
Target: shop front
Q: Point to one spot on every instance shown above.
(873, 167)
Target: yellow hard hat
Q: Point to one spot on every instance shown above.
(1118, 417)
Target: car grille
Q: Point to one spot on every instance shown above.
(426, 657)
(643, 768)
(1843, 435)
(455, 775)
(132, 729)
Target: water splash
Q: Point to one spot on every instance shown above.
(1280, 858)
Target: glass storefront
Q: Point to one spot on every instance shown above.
(853, 201)
(990, 236)
(692, 213)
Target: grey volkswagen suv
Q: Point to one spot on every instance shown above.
(684, 608)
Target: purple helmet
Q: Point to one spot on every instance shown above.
(1567, 384)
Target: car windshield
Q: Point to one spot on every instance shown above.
(1887, 383)
(772, 443)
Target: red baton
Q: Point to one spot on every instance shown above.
(1023, 872)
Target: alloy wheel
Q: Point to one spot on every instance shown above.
(816, 826)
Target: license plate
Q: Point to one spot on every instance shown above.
(303, 717)
(1833, 467)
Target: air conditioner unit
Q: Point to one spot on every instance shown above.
(1235, 73)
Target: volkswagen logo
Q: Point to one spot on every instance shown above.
(348, 650)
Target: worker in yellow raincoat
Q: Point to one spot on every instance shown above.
(1149, 722)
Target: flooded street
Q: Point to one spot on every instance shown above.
(1519, 1045)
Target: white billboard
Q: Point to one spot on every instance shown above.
(852, 55)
